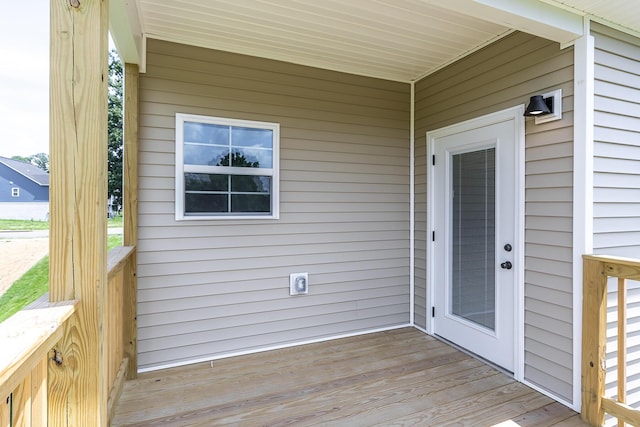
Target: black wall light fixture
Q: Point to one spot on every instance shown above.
(546, 107)
(539, 106)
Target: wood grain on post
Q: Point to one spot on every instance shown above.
(130, 190)
(594, 323)
(78, 200)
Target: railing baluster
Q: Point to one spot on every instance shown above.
(596, 271)
(622, 344)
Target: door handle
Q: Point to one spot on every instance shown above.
(506, 265)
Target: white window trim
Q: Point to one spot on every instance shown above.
(180, 167)
(15, 191)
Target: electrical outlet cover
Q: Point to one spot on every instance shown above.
(298, 283)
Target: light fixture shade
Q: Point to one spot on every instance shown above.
(538, 106)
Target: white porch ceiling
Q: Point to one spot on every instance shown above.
(624, 14)
(390, 39)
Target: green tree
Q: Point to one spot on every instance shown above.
(115, 128)
(40, 160)
(26, 159)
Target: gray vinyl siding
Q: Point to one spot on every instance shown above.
(420, 306)
(212, 288)
(497, 77)
(616, 195)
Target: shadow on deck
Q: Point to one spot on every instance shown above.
(400, 377)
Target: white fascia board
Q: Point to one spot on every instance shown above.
(529, 16)
(126, 31)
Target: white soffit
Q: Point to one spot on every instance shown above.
(620, 13)
(390, 39)
(400, 40)
(530, 16)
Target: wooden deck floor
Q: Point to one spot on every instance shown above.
(401, 377)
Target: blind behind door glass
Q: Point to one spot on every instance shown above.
(473, 237)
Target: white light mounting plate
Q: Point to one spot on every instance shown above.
(557, 107)
(298, 283)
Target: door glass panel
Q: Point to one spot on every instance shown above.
(473, 237)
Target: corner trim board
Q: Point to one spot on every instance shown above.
(583, 125)
(412, 207)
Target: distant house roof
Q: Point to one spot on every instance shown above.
(34, 173)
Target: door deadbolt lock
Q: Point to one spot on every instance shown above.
(506, 265)
(508, 247)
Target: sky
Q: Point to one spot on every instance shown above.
(24, 78)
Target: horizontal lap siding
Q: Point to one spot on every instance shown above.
(616, 193)
(501, 76)
(210, 288)
(617, 145)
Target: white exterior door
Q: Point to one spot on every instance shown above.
(474, 248)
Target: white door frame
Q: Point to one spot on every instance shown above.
(515, 114)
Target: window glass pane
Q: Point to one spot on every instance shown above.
(205, 155)
(250, 184)
(204, 202)
(206, 182)
(473, 237)
(220, 151)
(247, 137)
(250, 203)
(206, 133)
(251, 158)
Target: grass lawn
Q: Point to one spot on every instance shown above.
(28, 225)
(34, 283)
(116, 221)
(23, 225)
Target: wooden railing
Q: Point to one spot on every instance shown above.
(597, 271)
(29, 352)
(27, 341)
(120, 322)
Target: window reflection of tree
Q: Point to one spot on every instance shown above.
(238, 160)
(205, 182)
(239, 187)
(242, 183)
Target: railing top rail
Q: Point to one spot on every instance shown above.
(26, 338)
(631, 262)
(626, 268)
(117, 258)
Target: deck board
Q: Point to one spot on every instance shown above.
(395, 378)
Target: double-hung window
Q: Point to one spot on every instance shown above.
(226, 168)
(15, 192)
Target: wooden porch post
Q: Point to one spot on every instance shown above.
(78, 197)
(594, 339)
(130, 204)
